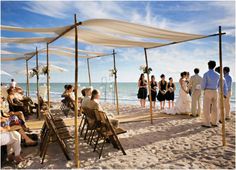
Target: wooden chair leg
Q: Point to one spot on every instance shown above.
(44, 141)
(95, 146)
(81, 133)
(82, 121)
(104, 141)
(86, 133)
(45, 148)
(92, 137)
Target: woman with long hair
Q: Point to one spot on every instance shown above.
(142, 91)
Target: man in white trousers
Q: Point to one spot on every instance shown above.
(195, 87)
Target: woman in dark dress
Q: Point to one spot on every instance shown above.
(142, 91)
(162, 85)
(170, 94)
(153, 90)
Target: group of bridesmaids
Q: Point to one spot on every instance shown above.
(166, 91)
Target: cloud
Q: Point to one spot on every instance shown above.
(55, 9)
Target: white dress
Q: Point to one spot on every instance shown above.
(182, 104)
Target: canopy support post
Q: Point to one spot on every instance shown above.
(37, 78)
(149, 87)
(221, 89)
(89, 75)
(115, 79)
(48, 83)
(27, 79)
(77, 163)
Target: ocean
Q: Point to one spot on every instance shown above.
(127, 92)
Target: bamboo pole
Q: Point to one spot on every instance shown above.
(77, 163)
(37, 78)
(115, 80)
(221, 89)
(172, 43)
(149, 87)
(89, 75)
(48, 83)
(27, 78)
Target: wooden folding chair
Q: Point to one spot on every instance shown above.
(106, 131)
(52, 134)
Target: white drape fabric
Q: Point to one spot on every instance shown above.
(52, 50)
(107, 32)
(56, 30)
(30, 40)
(137, 30)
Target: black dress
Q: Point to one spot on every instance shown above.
(162, 97)
(153, 90)
(170, 95)
(142, 92)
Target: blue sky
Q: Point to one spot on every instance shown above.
(192, 17)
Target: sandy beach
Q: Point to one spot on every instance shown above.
(173, 142)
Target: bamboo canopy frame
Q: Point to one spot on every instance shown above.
(115, 77)
(74, 26)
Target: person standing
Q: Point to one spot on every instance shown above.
(142, 91)
(188, 81)
(13, 83)
(210, 84)
(162, 85)
(228, 80)
(195, 88)
(153, 90)
(170, 94)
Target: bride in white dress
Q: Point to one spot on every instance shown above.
(183, 102)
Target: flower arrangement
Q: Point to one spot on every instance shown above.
(45, 70)
(112, 72)
(144, 69)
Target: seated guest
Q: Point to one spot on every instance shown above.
(94, 104)
(87, 97)
(13, 116)
(15, 104)
(6, 123)
(65, 91)
(13, 141)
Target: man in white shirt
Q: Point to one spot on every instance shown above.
(13, 83)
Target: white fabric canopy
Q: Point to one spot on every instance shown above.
(80, 51)
(5, 73)
(51, 30)
(26, 40)
(97, 38)
(137, 30)
(53, 50)
(107, 32)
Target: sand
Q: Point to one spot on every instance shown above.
(170, 142)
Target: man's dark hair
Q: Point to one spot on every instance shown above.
(226, 69)
(12, 80)
(196, 70)
(217, 69)
(65, 86)
(170, 78)
(211, 64)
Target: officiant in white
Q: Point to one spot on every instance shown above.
(195, 88)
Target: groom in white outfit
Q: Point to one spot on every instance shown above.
(195, 87)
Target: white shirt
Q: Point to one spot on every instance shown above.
(13, 84)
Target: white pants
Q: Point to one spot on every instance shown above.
(12, 140)
(196, 102)
(210, 102)
(227, 105)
